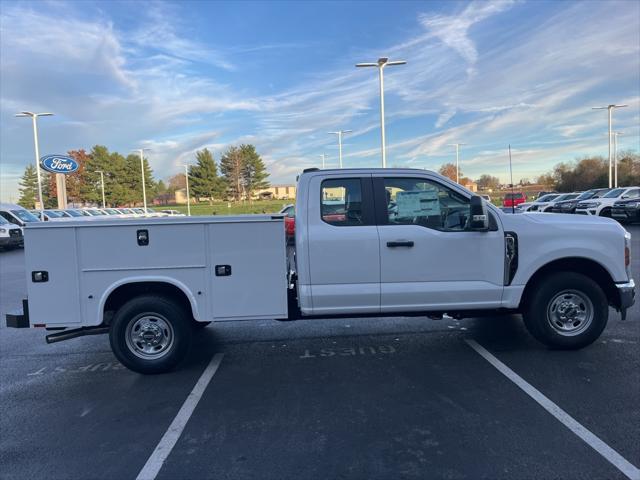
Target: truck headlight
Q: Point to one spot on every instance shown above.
(590, 204)
(633, 204)
(3, 230)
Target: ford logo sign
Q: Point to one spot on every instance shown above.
(59, 164)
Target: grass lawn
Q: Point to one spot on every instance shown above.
(229, 208)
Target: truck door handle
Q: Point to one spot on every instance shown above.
(403, 243)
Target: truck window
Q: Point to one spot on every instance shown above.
(341, 202)
(417, 201)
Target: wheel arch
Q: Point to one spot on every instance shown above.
(126, 289)
(585, 266)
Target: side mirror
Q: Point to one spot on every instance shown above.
(479, 216)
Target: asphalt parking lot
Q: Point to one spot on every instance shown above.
(348, 398)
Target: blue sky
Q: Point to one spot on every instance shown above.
(178, 77)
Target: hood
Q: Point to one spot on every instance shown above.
(555, 221)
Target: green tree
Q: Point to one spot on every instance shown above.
(254, 173)
(231, 167)
(29, 187)
(133, 180)
(116, 188)
(161, 188)
(203, 177)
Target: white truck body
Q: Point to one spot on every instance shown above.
(87, 261)
(367, 242)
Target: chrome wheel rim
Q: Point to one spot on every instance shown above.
(149, 336)
(570, 313)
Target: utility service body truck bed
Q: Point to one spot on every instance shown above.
(367, 242)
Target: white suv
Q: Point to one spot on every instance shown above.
(602, 206)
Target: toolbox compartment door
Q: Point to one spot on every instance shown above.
(248, 270)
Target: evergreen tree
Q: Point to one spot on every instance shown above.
(116, 178)
(254, 172)
(133, 180)
(231, 167)
(29, 187)
(203, 177)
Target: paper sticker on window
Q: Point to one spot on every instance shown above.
(421, 203)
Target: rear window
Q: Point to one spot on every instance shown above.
(341, 202)
(511, 196)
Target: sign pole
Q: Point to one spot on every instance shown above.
(35, 140)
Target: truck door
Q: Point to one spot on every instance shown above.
(429, 260)
(343, 245)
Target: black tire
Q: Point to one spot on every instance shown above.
(162, 320)
(606, 212)
(565, 293)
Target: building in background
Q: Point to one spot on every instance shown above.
(277, 192)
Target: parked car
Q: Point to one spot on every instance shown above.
(10, 235)
(51, 215)
(369, 242)
(289, 212)
(540, 203)
(548, 206)
(77, 212)
(173, 213)
(16, 214)
(517, 209)
(626, 211)
(569, 206)
(514, 199)
(603, 205)
(542, 194)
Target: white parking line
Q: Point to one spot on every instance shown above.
(171, 436)
(613, 457)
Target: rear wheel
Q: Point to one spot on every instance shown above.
(150, 334)
(566, 310)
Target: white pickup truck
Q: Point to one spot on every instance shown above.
(370, 242)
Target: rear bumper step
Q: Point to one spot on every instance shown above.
(19, 320)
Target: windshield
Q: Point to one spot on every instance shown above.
(53, 214)
(25, 216)
(73, 213)
(614, 193)
(586, 195)
(95, 213)
(548, 197)
(138, 210)
(111, 211)
(3, 221)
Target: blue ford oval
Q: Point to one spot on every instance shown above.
(59, 164)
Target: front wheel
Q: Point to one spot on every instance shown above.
(567, 310)
(150, 334)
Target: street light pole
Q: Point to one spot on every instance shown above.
(323, 160)
(615, 157)
(186, 177)
(610, 109)
(457, 145)
(144, 190)
(381, 63)
(102, 182)
(340, 133)
(34, 118)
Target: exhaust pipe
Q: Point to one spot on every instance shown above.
(76, 332)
